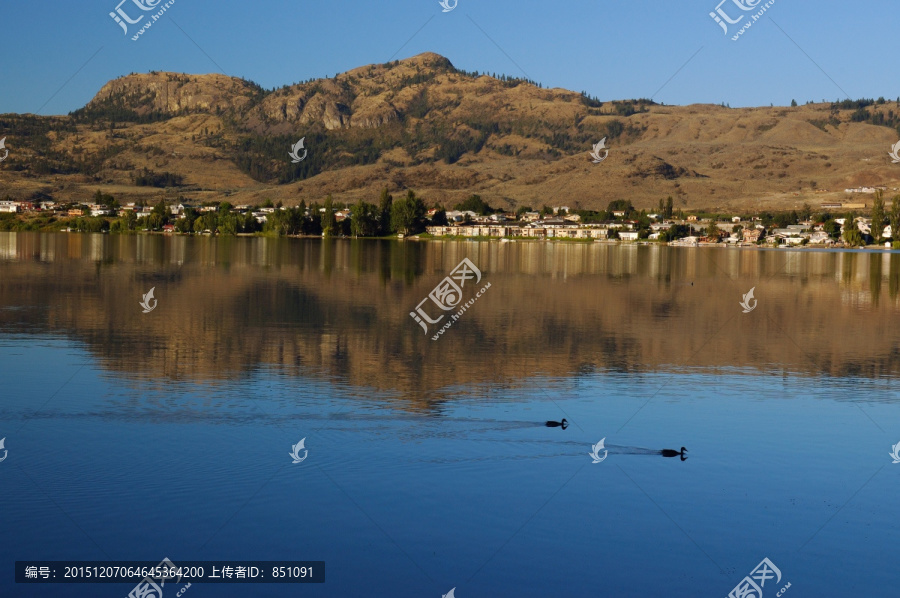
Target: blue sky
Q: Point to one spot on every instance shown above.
(613, 49)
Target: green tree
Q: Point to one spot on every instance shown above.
(212, 222)
(248, 223)
(345, 227)
(364, 220)
(475, 204)
(712, 231)
(895, 218)
(277, 223)
(623, 205)
(328, 222)
(311, 225)
(208, 221)
(183, 225)
(385, 203)
(105, 199)
(853, 237)
(155, 221)
(440, 216)
(407, 214)
(228, 223)
(878, 216)
(806, 212)
(676, 231)
(832, 228)
(161, 211)
(670, 206)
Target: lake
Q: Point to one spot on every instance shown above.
(426, 464)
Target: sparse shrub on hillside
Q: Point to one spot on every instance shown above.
(590, 101)
(418, 108)
(862, 114)
(451, 150)
(148, 178)
(614, 129)
(629, 107)
(852, 104)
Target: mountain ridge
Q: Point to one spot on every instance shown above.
(422, 123)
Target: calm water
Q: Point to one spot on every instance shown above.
(136, 436)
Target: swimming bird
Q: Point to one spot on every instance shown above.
(673, 453)
(563, 424)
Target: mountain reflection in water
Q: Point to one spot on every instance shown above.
(339, 309)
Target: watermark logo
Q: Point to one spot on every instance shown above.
(598, 147)
(894, 153)
(6, 452)
(595, 452)
(294, 153)
(746, 302)
(145, 303)
(450, 593)
(295, 451)
(447, 295)
(895, 454)
(723, 19)
(447, 8)
(749, 588)
(6, 151)
(123, 19)
(165, 571)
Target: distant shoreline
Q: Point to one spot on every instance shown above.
(496, 240)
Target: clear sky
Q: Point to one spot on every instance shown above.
(56, 55)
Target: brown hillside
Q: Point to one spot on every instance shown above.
(420, 123)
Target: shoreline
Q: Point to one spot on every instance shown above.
(499, 240)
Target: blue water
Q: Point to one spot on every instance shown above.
(472, 492)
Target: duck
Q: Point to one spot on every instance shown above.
(563, 424)
(673, 453)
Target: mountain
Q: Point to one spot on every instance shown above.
(421, 123)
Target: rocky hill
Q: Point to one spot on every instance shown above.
(421, 123)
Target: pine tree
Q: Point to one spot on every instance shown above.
(384, 204)
(878, 216)
(895, 219)
(328, 222)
